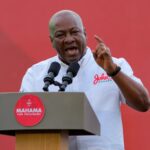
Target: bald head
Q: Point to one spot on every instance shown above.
(61, 15)
(68, 36)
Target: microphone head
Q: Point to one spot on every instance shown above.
(73, 68)
(54, 68)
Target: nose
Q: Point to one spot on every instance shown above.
(68, 38)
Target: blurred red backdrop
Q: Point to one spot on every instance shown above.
(123, 25)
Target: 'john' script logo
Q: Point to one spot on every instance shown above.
(101, 78)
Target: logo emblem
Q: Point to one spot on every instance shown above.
(29, 110)
(101, 78)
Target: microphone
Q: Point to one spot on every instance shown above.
(52, 73)
(71, 72)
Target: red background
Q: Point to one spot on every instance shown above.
(124, 25)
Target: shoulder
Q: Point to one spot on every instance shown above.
(42, 65)
(123, 63)
(120, 61)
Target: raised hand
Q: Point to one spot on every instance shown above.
(103, 56)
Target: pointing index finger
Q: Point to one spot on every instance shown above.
(98, 39)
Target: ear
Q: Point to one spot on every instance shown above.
(85, 33)
(51, 39)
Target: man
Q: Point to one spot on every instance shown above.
(107, 81)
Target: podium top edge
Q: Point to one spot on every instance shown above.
(4, 93)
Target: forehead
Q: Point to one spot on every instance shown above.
(67, 21)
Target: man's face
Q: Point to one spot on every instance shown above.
(68, 38)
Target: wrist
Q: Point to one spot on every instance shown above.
(115, 72)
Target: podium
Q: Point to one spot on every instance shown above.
(65, 114)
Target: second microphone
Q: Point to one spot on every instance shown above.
(71, 73)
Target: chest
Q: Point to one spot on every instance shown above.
(94, 82)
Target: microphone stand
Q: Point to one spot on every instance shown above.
(56, 83)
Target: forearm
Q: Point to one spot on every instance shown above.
(136, 95)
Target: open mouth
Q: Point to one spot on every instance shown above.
(70, 48)
(72, 51)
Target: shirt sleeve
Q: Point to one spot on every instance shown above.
(126, 68)
(27, 81)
